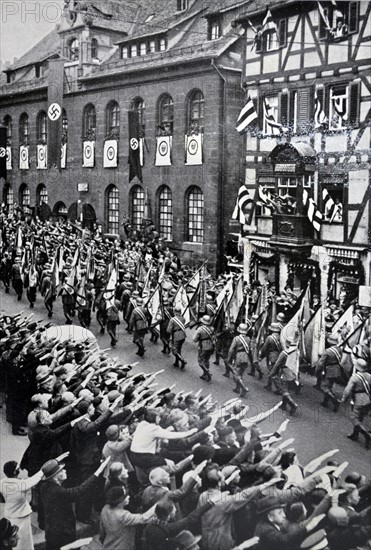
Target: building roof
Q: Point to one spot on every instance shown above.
(256, 7)
(47, 47)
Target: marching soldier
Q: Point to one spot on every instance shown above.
(210, 309)
(164, 335)
(240, 356)
(84, 310)
(328, 367)
(205, 338)
(30, 284)
(271, 349)
(223, 343)
(177, 333)
(132, 303)
(285, 375)
(6, 268)
(16, 275)
(359, 390)
(127, 288)
(113, 320)
(254, 349)
(139, 322)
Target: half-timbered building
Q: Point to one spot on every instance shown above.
(307, 70)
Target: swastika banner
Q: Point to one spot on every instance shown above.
(41, 160)
(24, 162)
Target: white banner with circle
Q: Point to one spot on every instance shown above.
(88, 154)
(163, 151)
(24, 162)
(110, 154)
(9, 158)
(193, 149)
(41, 157)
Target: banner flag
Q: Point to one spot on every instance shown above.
(193, 147)
(3, 151)
(42, 161)
(55, 111)
(135, 168)
(110, 153)
(88, 154)
(163, 150)
(24, 162)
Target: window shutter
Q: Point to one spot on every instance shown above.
(354, 100)
(320, 93)
(304, 109)
(284, 107)
(353, 16)
(260, 111)
(322, 30)
(282, 32)
(259, 44)
(292, 108)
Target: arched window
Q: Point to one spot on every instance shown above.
(89, 122)
(138, 105)
(165, 210)
(94, 48)
(24, 129)
(165, 115)
(8, 123)
(195, 215)
(73, 49)
(8, 198)
(112, 210)
(41, 195)
(113, 119)
(64, 126)
(196, 111)
(42, 127)
(137, 206)
(24, 198)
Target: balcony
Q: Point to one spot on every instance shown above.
(292, 231)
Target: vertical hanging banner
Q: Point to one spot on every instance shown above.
(163, 150)
(55, 108)
(3, 139)
(88, 154)
(110, 153)
(193, 149)
(63, 155)
(41, 161)
(135, 168)
(9, 158)
(24, 162)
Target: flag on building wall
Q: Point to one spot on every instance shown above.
(274, 128)
(3, 148)
(110, 153)
(319, 114)
(88, 154)
(9, 158)
(55, 111)
(24, 162)
(135, 168)
(268, 22)
(247, 115)
(324, 17)
(164, 146)
(339, 100)
(63, 155)
(328, 203)
(314, 215)
(243, 200)
(194, 149)
(41, 161)
(142, 143)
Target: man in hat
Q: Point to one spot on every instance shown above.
(8, 534)
(113, 320)
(139, 323)
(271, 349)
(281, 320)
(254, 349)
(329, 371)
(16, 275)
(127, 289)
(5, 270)
(168, 313)
(185, 540)
(272, 529)
(204, 337)
(30, 284)
(56, 502)
(282, 374)
(210, 308)
(240, 356)
(177, 334)
(359, 390)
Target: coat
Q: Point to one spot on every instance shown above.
(56, 503)
(84, 440)
(240, 351)
(272, 538)
(43, 447)
(117, 527)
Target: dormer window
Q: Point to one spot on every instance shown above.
(124, 52)
(214, 29)
(152, 46)
(143, 48)
(163, 45)
(37, 71)
(133, 50)
(182, 5)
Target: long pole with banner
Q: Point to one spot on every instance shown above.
(55, 111)
(3, 144)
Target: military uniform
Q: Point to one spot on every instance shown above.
(271, 349)
(240, 355)
(204, 337)
(139, 322)
(359, 390)
(113, 320)
(283, 376)
(176, 332)
(329, 368)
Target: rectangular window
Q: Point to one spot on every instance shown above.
(214, 30)
(163, 44)
(282, 32)
(269, 40)
(182, 5)
(152, 46)
(353, 17)
(134, 50)
(272, 101)
(335, 187)
(267, 184)
(124, 52)
(143, 48)
(339, 112)
(324, 21)
(304, 110)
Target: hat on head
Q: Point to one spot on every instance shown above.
(51, 468)
(355, 478)
(139, 301)
(128, 284)
(178, 309)
(83, 406)
(203, 452)
(332, 339)
(185, 540)
(112, 432)
(316, 541)
(361, 364)
(41, 378)
(206, 320)
(281, 317)
(267, 504)
(115, 495)
(243, 328)
(7, 529)
(59, 370)
(135, 294)
(275, 327)
(255, 317)
(227, 471)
